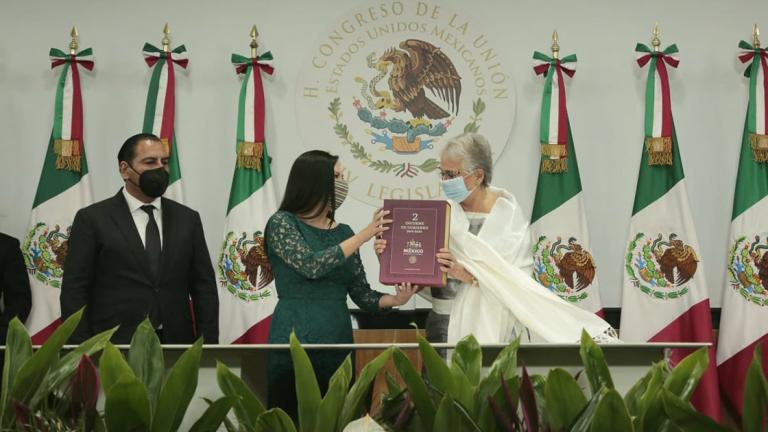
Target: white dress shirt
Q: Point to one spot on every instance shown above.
(141, 218)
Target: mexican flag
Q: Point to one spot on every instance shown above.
(562, 259)
(63, 189)
(248, 296)
(744, 320)
(160, 112)
(665, 296)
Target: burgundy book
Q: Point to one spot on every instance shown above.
(418, 231)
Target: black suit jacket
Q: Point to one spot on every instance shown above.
(107, 270)
(14, 284)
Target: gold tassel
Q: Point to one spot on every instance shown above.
(759, 144)
(553, 150)
(554, 166)
(166, 145)
(659, 150)
(67, 154)
(249, 155)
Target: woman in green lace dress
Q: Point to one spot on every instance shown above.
(316, 264)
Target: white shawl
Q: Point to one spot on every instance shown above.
(508, 299)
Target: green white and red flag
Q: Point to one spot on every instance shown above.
(247, 297)
(744, 320)
(63, 189)
(562, 259)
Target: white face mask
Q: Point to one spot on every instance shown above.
(455, 189)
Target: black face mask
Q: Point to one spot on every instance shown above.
(154, 182)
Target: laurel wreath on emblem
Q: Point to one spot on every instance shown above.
(658, 267)
(44, 253)
(243, 266)
(417, 66)
(566, 269)
(748, 269)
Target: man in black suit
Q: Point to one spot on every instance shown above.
(136, 255)
(14, 284)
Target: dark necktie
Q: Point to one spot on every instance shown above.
(152, 240)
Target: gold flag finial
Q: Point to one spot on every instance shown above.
(755, 36)
(166, 40)
(656, 42)
(73, 42)
(555, 46)
(254, 44)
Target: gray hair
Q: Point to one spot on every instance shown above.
(473, 151)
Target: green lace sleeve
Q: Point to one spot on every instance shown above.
(285, 240)
(360, 291)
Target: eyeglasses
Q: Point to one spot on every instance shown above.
(449, 175)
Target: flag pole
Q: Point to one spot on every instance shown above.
(73, 43)
(555, 45)
(254, 44)
(656, 41)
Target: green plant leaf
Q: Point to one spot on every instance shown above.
(594, 364)
(247, 406)
(178, 390)
(755, 396)
(468, 357)
(307, 389)
(419, 392)
(112, 368)
(685, 417)
(632, 398)
(214, 415)
(506, 364)
(463, 390)
(65, 367)
(438, 373)
(684, 378)
(32, 373)
(586, 417)
(486, 420)
(18, 350)
(330, 407)
(564, 398)
(146, 359)
(392, 386)
(127, 406)
(355, 402)
(650, 404)
(681, 382)
(274, 420)
(611, 414)
(447, 417)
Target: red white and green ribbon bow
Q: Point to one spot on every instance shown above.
(68, 112)
(250, 112)
(553, 126)
(757, 112)
(658, 102)
(159, 116)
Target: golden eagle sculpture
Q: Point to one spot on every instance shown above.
(256, 259)
(678, 256)
(576, 261)
(419, 66)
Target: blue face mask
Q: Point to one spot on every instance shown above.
(455, 189)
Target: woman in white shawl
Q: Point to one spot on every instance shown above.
(490, 260)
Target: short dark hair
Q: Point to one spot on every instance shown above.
(311, 184)
(128, 150)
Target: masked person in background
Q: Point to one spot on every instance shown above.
(316, 264)
(491, 293)
(139, 255)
